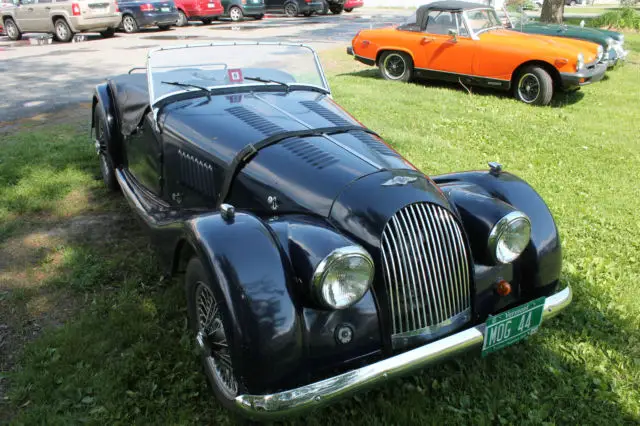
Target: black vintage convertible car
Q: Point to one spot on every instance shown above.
(316, 260)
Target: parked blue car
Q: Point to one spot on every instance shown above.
(137, 14)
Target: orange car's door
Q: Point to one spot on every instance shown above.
(444, 52)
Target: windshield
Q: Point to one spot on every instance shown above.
(481, 20)
(514, 15)
(215, 66)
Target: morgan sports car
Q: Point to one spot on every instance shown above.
(316, 260)
(466, 43)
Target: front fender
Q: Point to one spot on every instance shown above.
(246, 262)
(103, 102)
(541, 262)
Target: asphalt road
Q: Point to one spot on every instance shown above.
(36, 79)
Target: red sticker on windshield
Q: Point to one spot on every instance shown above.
(235, 75)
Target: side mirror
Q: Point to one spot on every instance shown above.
(454, 35)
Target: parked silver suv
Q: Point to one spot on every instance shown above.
(63, 18)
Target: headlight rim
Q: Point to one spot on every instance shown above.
(324, 266)
(579, 62)
(498, 229)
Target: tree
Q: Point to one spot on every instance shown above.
(552, 11)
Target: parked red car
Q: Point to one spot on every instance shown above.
(349, 5)
(198, 10)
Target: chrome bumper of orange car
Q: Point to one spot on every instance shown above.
(293, 401)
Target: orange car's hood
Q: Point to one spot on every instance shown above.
(562, 46)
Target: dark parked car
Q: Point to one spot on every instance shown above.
(316, 260)
(138, 14)
(238, 9)
(335, 6)
(294, 7)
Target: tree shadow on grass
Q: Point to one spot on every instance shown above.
(560, 99)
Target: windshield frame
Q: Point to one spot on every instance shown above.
(476, 34)
(226, 88)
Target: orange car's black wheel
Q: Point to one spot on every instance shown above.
(533, 85)
(396, 66)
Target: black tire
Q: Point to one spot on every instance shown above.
(62, 30)
(164, 27)
(258, 17)
(198, 289)
(129, 24)
(533, 85)
(336, 9)
(101, 132)
(11, 30)
(291, 9)
(349, 10)
(396, 66)
(236, 14)
(182, 19)
(108, 33)
(206, 21)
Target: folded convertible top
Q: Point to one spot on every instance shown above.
(131, 97)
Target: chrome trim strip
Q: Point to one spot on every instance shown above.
(316, 394)
(466, 75)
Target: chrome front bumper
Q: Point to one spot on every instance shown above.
(316, 394)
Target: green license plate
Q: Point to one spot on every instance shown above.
(512, 326)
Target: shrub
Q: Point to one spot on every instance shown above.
(626, 18)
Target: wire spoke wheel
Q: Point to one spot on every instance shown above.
(213, 340)
(395, 66)
(529, 87)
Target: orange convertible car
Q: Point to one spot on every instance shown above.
(466, 42)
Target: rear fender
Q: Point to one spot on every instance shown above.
(246, 263)
(541, 262)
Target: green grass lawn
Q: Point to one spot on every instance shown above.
(121, 354)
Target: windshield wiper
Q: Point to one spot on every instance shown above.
(264, 80)
(193, 86)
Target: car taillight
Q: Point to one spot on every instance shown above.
(117, 8)
(146, 7)
(75, 9)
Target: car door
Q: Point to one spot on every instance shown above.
(443, 52)
(274, 5)
(144, 156)
(42, 15)
(25, 15)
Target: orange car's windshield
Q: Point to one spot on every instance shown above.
(480, 20)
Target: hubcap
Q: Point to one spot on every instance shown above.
(128, 24)
(182, 19)
(235, 14)
(212, 340)
(529, 88)
(394, 66)
(290, 10)
(61, 30)
(12, 31)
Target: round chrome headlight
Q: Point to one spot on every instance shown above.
(343, 277)
(509, 237)
(601, 52)
(609, 43)
(580, 62)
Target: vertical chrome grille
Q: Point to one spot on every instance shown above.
(426, 271)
